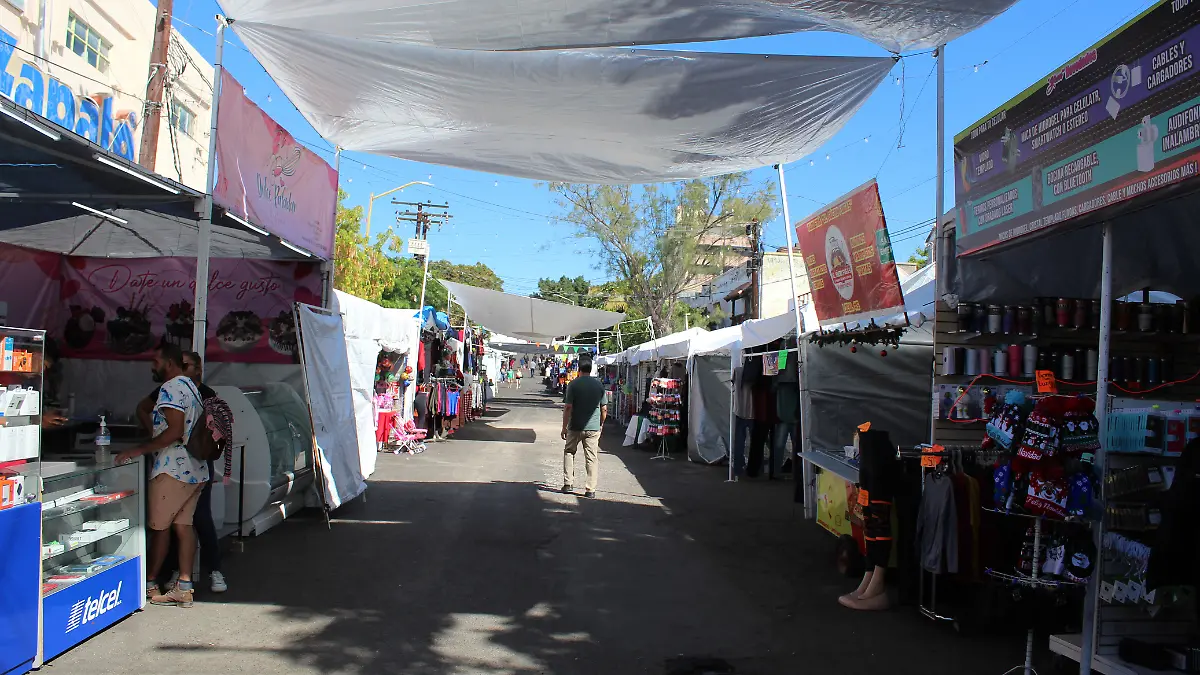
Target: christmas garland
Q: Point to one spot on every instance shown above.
(872, 336)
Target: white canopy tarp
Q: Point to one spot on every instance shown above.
(673, 346)
(757, 332)
(369, 329)
(331, 401)
(895, 25)
(590, 115)
(525, 317)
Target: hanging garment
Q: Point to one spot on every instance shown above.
(421, 410)
(1173, 559)
(937, 526)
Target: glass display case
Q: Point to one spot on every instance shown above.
(22, 353)
(93, 546)
(288, 429)
(271, 465)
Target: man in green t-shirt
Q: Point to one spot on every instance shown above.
(583, 416)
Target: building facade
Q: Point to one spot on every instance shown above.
(83, 64)
(730, 295)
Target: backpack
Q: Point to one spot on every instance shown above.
(213, 429)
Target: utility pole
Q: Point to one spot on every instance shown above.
(426, 214)
(152, 111)
(755, 263)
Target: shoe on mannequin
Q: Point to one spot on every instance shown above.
(862, 587)
(871, 595)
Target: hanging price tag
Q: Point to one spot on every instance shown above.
(1046, 384)
(864, 427)
(930, 457)
(864, 497)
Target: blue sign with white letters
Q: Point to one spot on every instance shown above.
(77, 612)
(93, 118)
(20, 584)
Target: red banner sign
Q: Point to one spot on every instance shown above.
(266, 177)
(849, 258)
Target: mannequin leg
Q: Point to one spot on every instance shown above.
(874, 598)
(862, 587)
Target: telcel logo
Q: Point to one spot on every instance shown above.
(90, 609)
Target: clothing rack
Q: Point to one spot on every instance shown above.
(947, 452)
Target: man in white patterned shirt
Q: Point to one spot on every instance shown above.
(176, 477)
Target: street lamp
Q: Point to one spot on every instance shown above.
(373, 197)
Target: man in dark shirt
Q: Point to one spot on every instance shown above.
(586, 408)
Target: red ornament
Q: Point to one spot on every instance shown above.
(883, 352)
(853, 349)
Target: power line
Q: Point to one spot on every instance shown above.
(903, 119)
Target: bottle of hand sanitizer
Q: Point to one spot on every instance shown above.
(103, 440)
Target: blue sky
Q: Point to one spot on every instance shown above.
(508, 224)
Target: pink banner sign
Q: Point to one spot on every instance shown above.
(267, 178)
(122, 309)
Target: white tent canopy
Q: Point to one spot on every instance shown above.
(895, 25)
(530, 318)
(673, 346)
(591, 115)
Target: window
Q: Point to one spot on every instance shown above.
(86, 42)
(182, 118)
(19, 4)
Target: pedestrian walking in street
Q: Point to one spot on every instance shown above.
(584, 413)
(519, 375)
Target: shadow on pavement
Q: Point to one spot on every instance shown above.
(493, 578)
(755, 531)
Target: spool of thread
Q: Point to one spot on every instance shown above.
(1030, 361)
(960, 360)
(1068, 366)
(1153, 374)
(972, 365)
(1000, 362)
(1014, 359)
(983, 356)
(1093, 365)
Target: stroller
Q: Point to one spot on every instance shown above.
(406, 437)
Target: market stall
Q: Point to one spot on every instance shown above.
(101, 256)
(1039, 340)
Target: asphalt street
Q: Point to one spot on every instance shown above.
(467, 560)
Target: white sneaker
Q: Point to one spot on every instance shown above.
(218, 583)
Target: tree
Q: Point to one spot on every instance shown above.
(659, 240)
(360, 268)
(577, 291)
(405, 287)
(373, 271)
(920, 257)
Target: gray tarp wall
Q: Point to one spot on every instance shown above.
(708, 409)
(894, 393)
